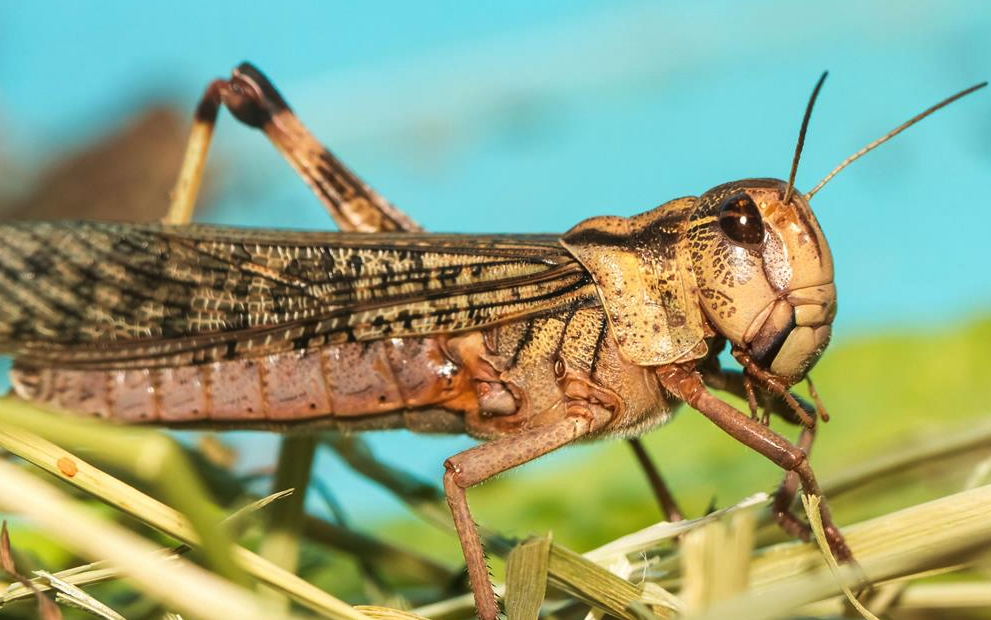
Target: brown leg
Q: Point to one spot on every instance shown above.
(187, 186)
(254, 101)
(820, 408)
(738, 384)
(686, 383)
(784, 497)
(748, 387)
(669, 507)
(734, 382)
(480, 463)
(774, 385)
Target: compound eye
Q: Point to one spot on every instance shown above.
(740, 221)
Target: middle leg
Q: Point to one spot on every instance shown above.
(665, 499)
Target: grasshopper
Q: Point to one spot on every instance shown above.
(527, 342)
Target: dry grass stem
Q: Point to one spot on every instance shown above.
(84, 476)
(812, 504)
(69, 594)
(193, 591)
(526, 578)
(716, 572)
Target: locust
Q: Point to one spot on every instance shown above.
(526, 342)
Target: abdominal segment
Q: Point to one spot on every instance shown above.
(333, 382)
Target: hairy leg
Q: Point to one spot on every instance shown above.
(687, 384)
(482, 462)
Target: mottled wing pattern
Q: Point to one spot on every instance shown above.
(107, 295)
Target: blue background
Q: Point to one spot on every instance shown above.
(525, 117)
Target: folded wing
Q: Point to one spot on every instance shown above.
(104, 295)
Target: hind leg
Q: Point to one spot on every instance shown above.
(254, 101)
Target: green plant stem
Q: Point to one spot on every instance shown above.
(285, 523)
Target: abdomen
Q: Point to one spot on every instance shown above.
(487, 384)
(359, 382)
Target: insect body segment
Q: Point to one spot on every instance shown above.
(485, 383)
(349, 386)
(643, 281)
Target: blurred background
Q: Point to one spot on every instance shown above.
(528, 117)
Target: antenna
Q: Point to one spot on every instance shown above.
(891, 134)
(801, 137)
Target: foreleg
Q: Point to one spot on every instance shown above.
(686, 384)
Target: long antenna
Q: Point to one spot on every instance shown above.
(891, 134)
(801, 137)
